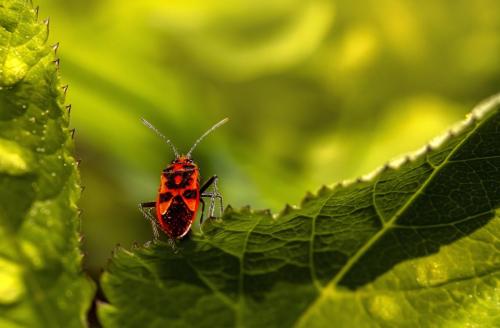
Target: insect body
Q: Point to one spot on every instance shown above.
(180, 194)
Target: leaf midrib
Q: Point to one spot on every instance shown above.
(389, 224)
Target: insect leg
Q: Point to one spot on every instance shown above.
(204, 187)
(208, 183)
(145, 209)
(212, 201)
(221, 209)
(214, 194)
(147, 205)
(202, 210)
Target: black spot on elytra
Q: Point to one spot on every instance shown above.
(178, 217)
(190, 194)
(186, 179)
(165, 197)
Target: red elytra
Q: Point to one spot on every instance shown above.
(180, 194)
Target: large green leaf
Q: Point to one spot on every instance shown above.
(41, 283)
(416, 243)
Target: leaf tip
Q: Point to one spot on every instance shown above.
(246, 209)
(286, 210)
(68, 110)
(324, 190)
(307, 198)
(336, 185)
(65, 89)
(55, 47)
(57, 63)
(46, 22)
(118, 247)
(228, 210)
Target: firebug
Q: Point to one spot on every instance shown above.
(180, 193)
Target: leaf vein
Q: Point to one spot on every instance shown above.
(362, 250)
(241, 281)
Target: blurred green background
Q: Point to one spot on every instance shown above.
(316, 91)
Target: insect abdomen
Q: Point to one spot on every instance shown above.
(178, 218)
(178, 199)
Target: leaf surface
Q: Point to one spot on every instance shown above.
(41, 280)
(416, 243)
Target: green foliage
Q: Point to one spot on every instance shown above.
(318, 88)
(413, 244)
(41, 283)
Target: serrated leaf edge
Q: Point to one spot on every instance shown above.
(481, 112)
(478, 113)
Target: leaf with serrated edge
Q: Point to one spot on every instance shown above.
(414, 244)
(41, 279)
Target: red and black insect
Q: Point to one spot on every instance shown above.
(180, 193)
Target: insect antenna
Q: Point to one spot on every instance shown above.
(215, 126)
(149, 125)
